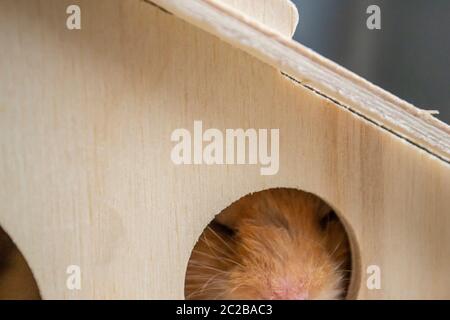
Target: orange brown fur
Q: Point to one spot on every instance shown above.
(274, 244)
(16, 279)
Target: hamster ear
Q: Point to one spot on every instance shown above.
(232, 216)
(229, 217)
(338, 244)
(323, 210)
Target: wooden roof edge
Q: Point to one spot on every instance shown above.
(312, 70)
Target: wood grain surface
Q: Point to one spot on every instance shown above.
(86, 176)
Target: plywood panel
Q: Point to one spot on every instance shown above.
(85, 121)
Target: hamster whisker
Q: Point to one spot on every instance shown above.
(205, 290)
(208, 267)
(277, 243)
(221, 239)
(217, 258)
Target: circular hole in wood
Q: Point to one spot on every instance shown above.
(16, 279)
(274, 244)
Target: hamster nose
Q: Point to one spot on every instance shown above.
(301, 296)
(289, 293)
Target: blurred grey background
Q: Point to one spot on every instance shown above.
(409, 56)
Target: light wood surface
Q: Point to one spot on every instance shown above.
(350, 91)
(85, 124)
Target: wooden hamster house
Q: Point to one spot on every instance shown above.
(86, 118)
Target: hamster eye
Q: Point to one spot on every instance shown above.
(327, 218)
(222, 228)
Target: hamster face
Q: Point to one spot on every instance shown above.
(275, 244)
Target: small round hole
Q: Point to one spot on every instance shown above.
(274, 244)
(16, 279)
